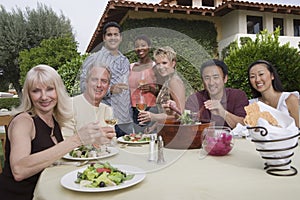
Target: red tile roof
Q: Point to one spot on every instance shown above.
(116, 10)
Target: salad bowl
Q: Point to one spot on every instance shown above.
(182, 136)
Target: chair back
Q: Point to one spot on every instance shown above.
(4, 121)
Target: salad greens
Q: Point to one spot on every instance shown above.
(88, 151)
(136, 137)
(186, 117)
(101, 175)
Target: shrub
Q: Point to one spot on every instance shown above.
(8, 103)
(70, 73)
(266, 46)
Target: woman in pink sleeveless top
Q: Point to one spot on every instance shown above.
(142, 80)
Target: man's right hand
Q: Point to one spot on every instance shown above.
(118, 88)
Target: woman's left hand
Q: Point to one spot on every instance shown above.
(170, 104)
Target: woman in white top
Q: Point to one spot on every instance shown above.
(173, 88)
(267, 88)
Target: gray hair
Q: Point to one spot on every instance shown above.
(89, 63)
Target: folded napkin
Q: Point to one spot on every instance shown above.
(276, 145)
(240, 131)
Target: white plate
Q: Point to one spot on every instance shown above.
(68, 180)
(113, 151)
(121, 139)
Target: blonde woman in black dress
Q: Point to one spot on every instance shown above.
(34, 139)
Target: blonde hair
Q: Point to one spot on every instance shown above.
(165, 52)
(46, 75)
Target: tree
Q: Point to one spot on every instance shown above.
(54, 52)
(70, 73)
(24, 30)
(266, 46)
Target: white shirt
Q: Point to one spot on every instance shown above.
(84, 113)
(282, 101)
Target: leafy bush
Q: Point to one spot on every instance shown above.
(266, 46)
(70, 73)
(8, 103)
(53, 52)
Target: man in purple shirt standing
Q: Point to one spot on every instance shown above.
(224, 106)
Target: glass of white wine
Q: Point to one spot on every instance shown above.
(111, 121)
(109, 117)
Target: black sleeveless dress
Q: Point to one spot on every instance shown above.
(23, 190)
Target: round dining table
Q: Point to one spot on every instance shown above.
(185, 174)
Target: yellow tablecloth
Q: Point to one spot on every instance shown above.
(239, 175)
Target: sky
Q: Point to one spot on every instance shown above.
(85, 14)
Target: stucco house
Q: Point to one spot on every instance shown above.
(232, 18)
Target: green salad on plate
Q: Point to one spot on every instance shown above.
(101, 175)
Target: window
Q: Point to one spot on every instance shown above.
(185, 2)
(254, 24)
(296, 27)
(278, 22)
(209, 3)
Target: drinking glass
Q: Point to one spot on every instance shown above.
(141, 104)
(142, 81)
(111, 121)
(109, 117)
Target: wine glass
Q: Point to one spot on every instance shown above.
(141, 104)
(109, 117)
(111, 121)
(142, 81)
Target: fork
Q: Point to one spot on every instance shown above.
(77, 164)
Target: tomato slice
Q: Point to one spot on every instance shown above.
(100, 170)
